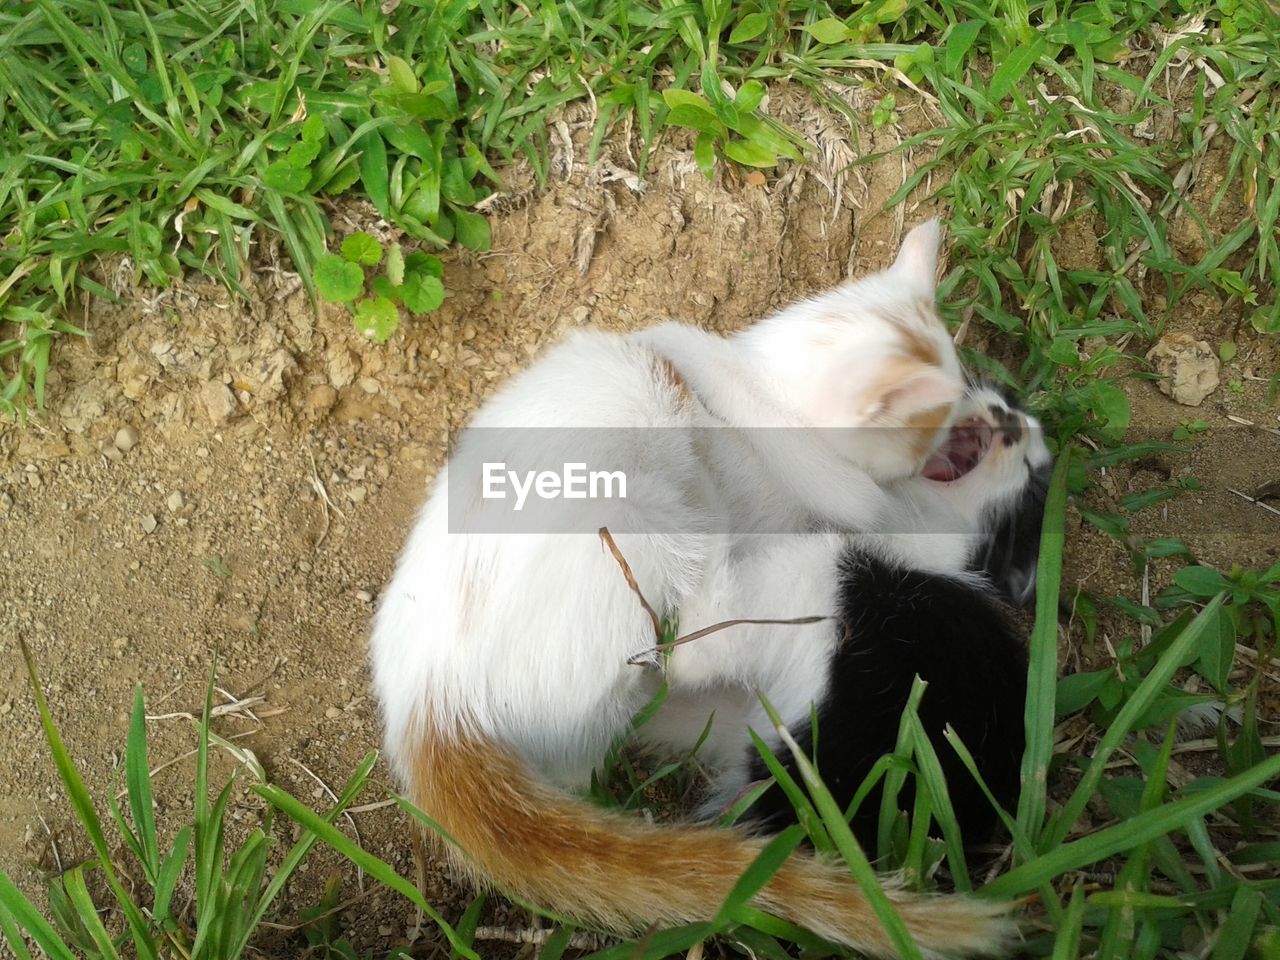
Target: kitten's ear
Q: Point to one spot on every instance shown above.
(914, 393)
(917, 262)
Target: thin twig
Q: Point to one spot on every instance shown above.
(1257, 503)
(715, 628)
(1250, 423)
(218, 710)
(607, 537)
(179, 758)
(53, 842)
(366, 807)
(334, 797)
(325, 503)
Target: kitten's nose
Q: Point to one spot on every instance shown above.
(1011, 428)
(1008, 423)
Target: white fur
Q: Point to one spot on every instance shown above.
(527, 636)
(719, 678)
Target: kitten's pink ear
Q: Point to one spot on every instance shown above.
(917, 262)
(916, 394)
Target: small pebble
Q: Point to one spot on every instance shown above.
(385, 931)
(149, 523)
(304, 566)
(358, 493)
(126, 439)
(175, 501)
(333, 713)
(111, 451)
(364, 596)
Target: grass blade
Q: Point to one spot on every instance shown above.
(78, 893)
(1042, 670)
(17, 909)
(138, 782)
(762, 869)
(1237, 933)
(847, 845)
(1124, 836)
(1155, 682)
(380, 870)
(86, 813)
(933, 781)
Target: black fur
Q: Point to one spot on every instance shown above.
(898, 623)
(1009, 552)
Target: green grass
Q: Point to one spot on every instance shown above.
(189, 895)
(174, 136)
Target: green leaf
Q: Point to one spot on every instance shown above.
(373, 171)
(287, 177)
(134, 57)
(830, 30)
(472, 230)
(1013, 68)
(419, 262)
(676, 97)
(1217, 651)
(1233, 284)
(336, 279)
(749, 96)
(1200, 581)
(422, 293)
(704, 154)
(361, 248)
(1266, 319)
(383, 287)
(313, 129)
(402, 77)
(395, 264)
(1077, 690)
(959, 41)
(750, 154)
(1111, 407)
(684, 115)
(376, 319)
(749, 27)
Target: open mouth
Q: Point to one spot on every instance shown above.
(963, 450)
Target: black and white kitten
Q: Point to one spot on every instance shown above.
(927, 597)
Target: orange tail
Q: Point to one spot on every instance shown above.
(624, 874)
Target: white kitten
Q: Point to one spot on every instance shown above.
(501, 661)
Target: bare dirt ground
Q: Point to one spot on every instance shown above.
(237, 476)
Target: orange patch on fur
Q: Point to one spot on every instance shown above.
(619, 871)
(927, 424)
(668, 374)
